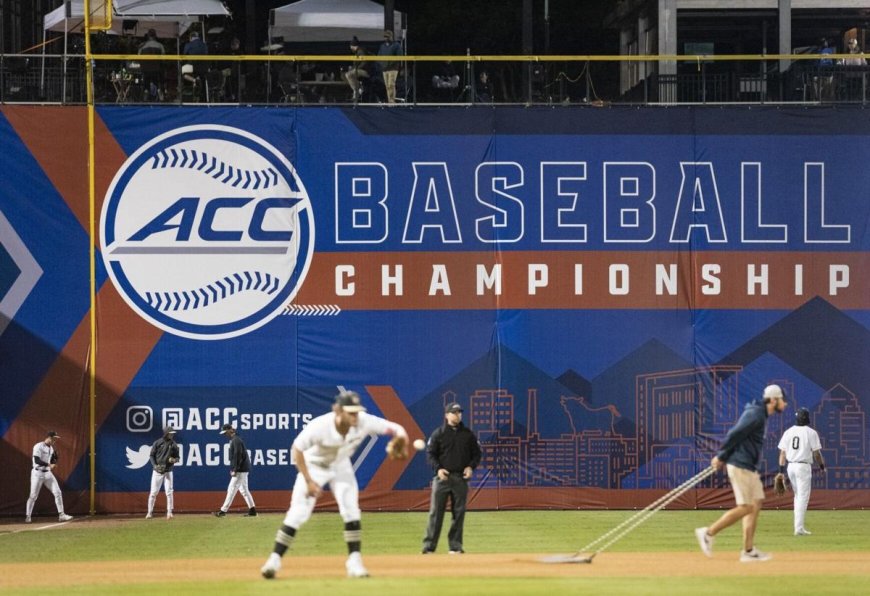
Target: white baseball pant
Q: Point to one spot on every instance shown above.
(39, 479)
(156, 480)
(801, 477)
(341, 480)
(238, 483)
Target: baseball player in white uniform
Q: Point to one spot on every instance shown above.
(799, 446)
(321, 453)
(44, 461)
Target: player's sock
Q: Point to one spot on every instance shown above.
(353, 536)
(283, 539)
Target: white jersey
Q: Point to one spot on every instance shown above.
(323, 446)
(799, 442)
(43, 452)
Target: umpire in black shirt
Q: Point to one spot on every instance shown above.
(454, 453)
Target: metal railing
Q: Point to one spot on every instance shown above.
(438, 80)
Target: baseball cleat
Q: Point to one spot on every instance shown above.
(456, 552)
(27, 520)
(169, 515)
(148, 516)
(754, 555)
(252, 512)
(803, 532)
(64, 517)
(272, 566)
(220, 513)
(705, 541)
(355, 567)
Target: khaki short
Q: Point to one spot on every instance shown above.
(746, 485)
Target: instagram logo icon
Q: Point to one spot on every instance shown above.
(140, 419)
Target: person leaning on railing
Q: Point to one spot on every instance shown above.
(856, 71)
(856, 57)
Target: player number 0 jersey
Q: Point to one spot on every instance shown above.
(799, 442)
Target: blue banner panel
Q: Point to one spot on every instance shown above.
(603, 291)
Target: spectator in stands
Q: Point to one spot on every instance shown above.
(483, 88)
(194, 74)
(196, 46)
(825, 50)
(152, 71)
(824, 80)
(357, 71)
(853, 81)
(151, 45)
(390, 70)
(857, 55)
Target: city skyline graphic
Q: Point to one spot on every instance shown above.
(539, 431)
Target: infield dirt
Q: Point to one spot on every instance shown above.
(32, 575)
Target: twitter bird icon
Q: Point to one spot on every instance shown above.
(138, 459)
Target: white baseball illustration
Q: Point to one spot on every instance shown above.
(419, 444)
(207, 232)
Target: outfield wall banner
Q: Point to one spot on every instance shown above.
(602, 290)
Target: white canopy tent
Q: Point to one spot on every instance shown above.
(331, 20)
(169, 18)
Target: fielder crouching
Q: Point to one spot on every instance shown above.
(321, 453)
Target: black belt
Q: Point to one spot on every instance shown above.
(801, 462)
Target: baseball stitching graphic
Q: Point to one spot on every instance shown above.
(207, 232)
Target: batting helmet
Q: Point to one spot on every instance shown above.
(802, 417)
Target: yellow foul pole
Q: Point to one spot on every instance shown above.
(92, 352)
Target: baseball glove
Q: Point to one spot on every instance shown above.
(397, 448)
(779, 484)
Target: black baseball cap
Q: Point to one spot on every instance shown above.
(349, 401)
(169, 431)
(227, 428)
(452, 408)
(53, 434)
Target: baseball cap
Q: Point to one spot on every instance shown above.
(53, 434)
(452, 407)
(226, 428)
(349, 401)
(773, 392)
(169, 431)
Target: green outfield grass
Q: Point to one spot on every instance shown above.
(202, 536)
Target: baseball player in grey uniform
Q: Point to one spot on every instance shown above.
(44, 461)
(322, 454)
(240, 465)
(164, 455)
(799, 446)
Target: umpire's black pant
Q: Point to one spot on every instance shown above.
(455, 487)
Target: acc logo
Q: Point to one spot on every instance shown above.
(207, 232)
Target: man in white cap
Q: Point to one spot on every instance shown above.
(240, 465)
(164, 455)
(321, 453)
(44, 461)
(741, 454)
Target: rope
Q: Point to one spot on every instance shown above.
(644, 514)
